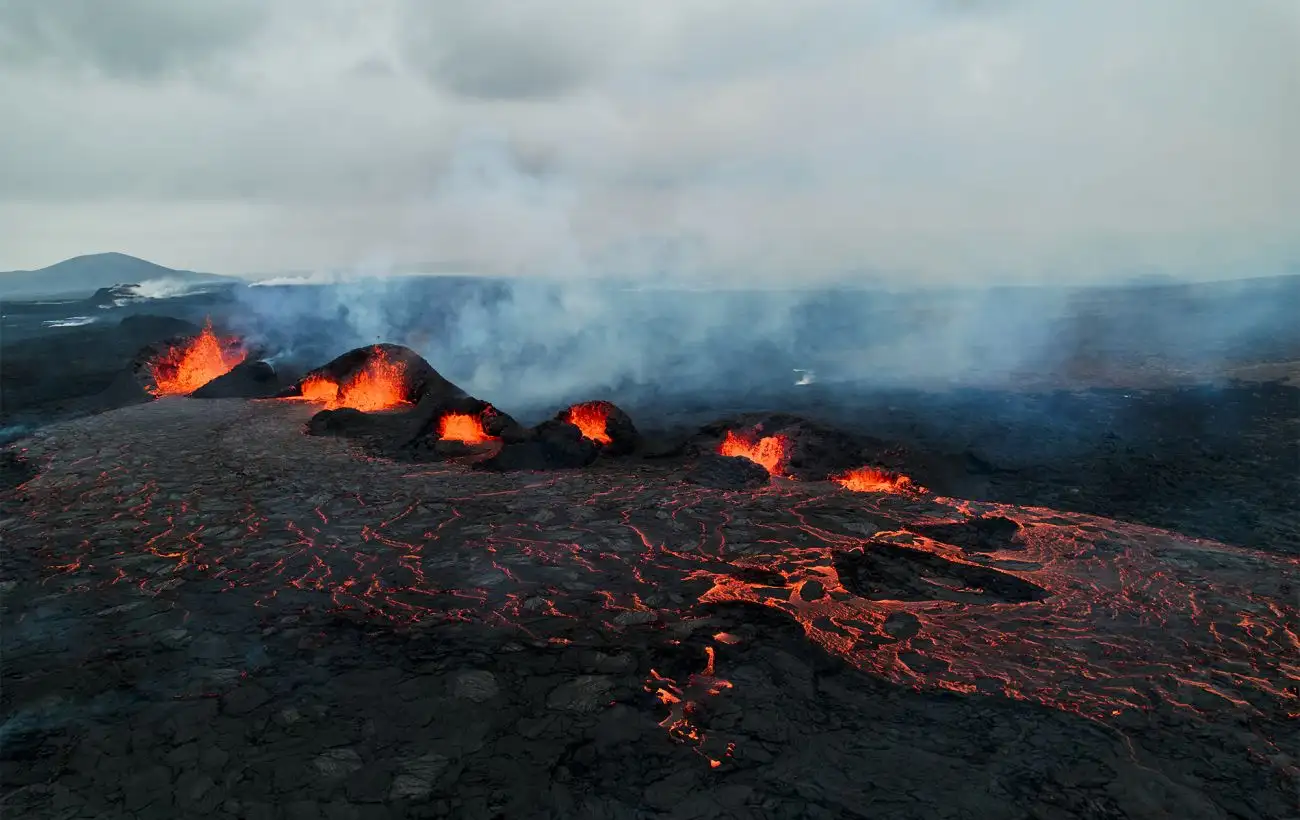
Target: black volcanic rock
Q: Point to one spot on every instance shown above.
(247, 380)
(989, 533)
(727, 473)
(551, 445)
(618, 426)
(150, 328)
(379, 430)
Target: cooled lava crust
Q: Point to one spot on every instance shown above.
(197, 584)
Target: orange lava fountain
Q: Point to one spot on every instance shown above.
(379, 386)
(591, 419)
(873, 480)
(768, 452)
(463, 427)
(182, 370)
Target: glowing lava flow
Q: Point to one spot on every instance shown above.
(463, 427)
(592, 419)
(182, 370)
(768, 451)
(873, 480)
(379, 386)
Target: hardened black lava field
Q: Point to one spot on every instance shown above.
(1043, 603)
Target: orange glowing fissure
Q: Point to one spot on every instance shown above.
(768, 451)
(463, 427)
(379, 386)
(592, 420)
(182, 370)
(873, 480)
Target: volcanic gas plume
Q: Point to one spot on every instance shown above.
(768, 451)
(186, 367)
(380, 385)
(592, 418)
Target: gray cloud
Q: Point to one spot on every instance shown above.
(129, 39)
(503, 50)
(747, 139)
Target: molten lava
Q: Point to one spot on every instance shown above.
(321, 389)
(592, 419)
(768, 451)
(463, 427)
(381, 385)
(184, 369)
(873, 480)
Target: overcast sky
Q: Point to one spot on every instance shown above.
(766, 139)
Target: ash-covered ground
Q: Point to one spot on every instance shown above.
(1093, 612)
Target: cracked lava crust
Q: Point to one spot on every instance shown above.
(284, 620)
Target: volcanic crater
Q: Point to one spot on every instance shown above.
(399, 597)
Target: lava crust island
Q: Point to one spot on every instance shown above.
(422, 608)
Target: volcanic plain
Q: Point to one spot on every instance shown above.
(370, 595)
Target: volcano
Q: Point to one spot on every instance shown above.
(188, 364)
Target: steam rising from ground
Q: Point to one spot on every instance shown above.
(574, 318)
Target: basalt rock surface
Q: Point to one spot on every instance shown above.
(207, 613)
(551, 445)
(727, 472)
(247, 380)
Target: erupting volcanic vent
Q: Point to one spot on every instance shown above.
(187, 366)
(592, 418)
(380, 385)
(467, 428)
(770, 452)
(603, 424)
(875, 480)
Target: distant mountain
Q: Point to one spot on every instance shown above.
(81, 276)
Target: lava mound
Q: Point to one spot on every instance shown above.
(576, 437)
(887, 572)
(247, 380)
(604, 425)
(374, 378)
(787, 445)
(460, 426)
(177, 366)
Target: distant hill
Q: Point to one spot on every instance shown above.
(81, 276)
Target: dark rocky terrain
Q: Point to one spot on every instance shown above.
(1092, 613)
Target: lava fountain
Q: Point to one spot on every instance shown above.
(770, 452)
(378, 386)
(466, 428)
(185, 368)
(592, 419)
(874, 480)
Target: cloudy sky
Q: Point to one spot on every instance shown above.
(757, 139)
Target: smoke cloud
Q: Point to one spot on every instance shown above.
(642, 317)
